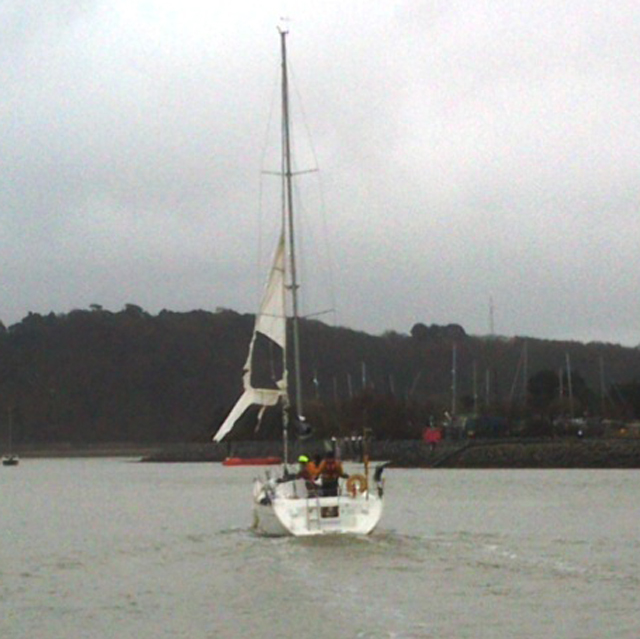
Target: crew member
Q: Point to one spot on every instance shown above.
(306, 472)
(330, 471)
(314, 466)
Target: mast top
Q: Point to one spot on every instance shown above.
(283, 28)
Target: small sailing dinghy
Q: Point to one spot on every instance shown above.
(283, 505)
(10, 459)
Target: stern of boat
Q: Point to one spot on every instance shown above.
(287, 508)
(329, 515)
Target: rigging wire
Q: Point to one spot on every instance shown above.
(327, 256)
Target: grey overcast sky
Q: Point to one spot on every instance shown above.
(468, 151)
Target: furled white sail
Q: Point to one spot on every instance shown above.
(270, 322)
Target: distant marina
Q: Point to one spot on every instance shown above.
(483, 453)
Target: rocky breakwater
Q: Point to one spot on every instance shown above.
(589, 453)
(211, 452)
(497, 453)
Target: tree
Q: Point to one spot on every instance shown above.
(420, 332)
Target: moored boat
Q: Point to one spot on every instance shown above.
(10, 459)
(252, 461)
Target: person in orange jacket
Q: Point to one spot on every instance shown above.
(330, 471)
(306, 472)
(314, 466)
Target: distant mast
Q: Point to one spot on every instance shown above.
(569, 385)
(454, 380)
(492, 328)
(475, 388)
(602, 387)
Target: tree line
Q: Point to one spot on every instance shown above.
(91, 376)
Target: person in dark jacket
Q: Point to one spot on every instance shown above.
(330, 472)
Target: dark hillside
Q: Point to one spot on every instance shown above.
(99, 376)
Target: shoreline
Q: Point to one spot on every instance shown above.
(61, 451)
(561, 454)
(469, 454)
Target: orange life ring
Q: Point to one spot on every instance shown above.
(356, 484)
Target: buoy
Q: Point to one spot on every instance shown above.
(356, 484)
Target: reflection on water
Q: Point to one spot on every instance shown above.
(103, 548)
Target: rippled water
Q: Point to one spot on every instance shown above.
(111, 548)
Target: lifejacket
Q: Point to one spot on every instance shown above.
(308, 478)
(330, 469)
(306, 474)
(314, 469)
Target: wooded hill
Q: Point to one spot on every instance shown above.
(100, 376)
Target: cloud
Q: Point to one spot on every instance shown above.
(466, 152)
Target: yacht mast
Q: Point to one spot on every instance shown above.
(287, 174)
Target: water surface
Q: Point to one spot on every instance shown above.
(111, 548)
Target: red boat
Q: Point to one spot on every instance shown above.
(251, 461)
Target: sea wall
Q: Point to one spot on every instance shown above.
(213, 452)
(574, 453)
(592, 453)
(499, 453)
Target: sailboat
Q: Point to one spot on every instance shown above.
(283, 505)
(10, 459)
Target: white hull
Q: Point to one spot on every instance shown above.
(286, 510)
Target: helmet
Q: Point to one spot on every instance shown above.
(303, 459)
